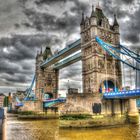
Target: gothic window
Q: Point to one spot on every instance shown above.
(89, 66)
(49, 80)
(86, 36)
(100, 22)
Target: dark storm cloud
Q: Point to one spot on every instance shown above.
(44, 21)
(130, 29)
(72, 71)
(17, 57)
(38, 2)
(128, 1)
(40, 21)
(20, 47)
(69, 23)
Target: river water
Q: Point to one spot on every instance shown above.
(49, 130)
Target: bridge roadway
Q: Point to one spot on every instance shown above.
(133, 94)
(70, 49)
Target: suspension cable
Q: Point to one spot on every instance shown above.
(106, 84)
(131, 78)
(105, 47)
(115, 74)
(123, 75)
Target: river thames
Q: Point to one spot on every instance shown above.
(49, 130)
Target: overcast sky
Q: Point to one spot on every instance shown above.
(27, 25)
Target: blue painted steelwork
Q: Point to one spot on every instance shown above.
(68, 61)
(18, 103)
(138, 103)
(113, 52)
(124, 51)
(66, 51)
(30, 95)
(122, 94)
(130, 52)
(53, 102)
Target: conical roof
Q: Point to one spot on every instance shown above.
(83, 20)
(93, 13)
(47, 53)
(115, 21)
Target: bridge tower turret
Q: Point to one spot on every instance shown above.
(46, 78)
(95, 71)
(116, 30)
(93, 17)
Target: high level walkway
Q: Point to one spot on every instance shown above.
(68, 61)
(62, 54)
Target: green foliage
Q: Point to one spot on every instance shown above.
(75, 116)
(6, 102)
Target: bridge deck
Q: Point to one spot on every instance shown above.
(122, 94)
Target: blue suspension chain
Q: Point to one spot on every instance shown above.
(105, 47)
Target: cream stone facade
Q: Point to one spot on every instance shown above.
(46, 78)
(98, 66)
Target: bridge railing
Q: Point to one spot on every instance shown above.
(122, 94)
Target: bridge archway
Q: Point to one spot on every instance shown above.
(108, 85)
(48, 95)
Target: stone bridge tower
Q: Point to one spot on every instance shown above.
(100, 70)
(46, 78)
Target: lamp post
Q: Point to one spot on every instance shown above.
(138, 73)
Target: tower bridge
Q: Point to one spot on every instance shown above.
(101, 54)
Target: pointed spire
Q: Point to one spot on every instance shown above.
(41, 51)
(93, 14)
(83, 20)
(47, 53)
(37, 53)
(98, 6)
(115, 21)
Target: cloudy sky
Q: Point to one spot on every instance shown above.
(27, 25)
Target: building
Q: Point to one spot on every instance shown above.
(100, 71)
(2, 96)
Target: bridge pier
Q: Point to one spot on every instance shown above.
(133, 111)
(132, 106)
(114, 107)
